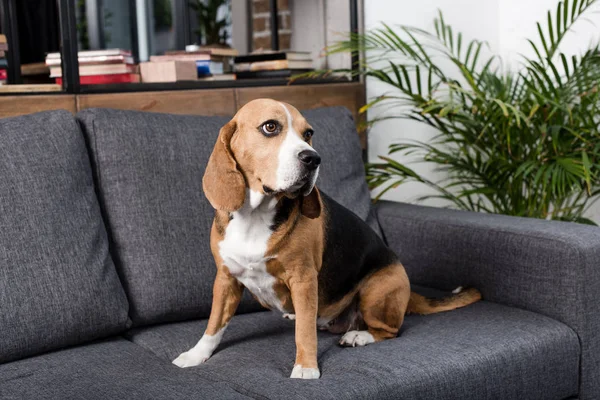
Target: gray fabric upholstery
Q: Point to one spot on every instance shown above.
(113, 369)
(551, 268)
(342, 172)
(149, 171)
(58, 285)
(485, 351)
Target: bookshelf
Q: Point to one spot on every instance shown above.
(69, 50)
(192, 97)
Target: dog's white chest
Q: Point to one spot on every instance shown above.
(245, 244)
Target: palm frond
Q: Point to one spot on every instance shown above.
(523, 142)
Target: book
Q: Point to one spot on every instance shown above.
(269, 56)
(273, 65)
(209, 68)
(274, 74)
(3, 75)
(221, 55)
(2, 54)
(3, 63)
(205, 65)
(181, 57)
(106, 79)
(3, 47)
(218, 77)
(2, 38)
(215, 51)
(85, 60)
(102, 69)
(95, 53)
(169, 71)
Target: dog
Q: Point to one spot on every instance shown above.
(293, 247)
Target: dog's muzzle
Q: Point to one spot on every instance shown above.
(310, 159)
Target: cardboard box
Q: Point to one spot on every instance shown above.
(169, 71)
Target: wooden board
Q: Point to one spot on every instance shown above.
(304, 97)
(31, 88)
(196, 102)
(19, 105)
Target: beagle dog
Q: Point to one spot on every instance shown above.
(293, 247)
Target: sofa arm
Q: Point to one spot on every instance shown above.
(548, 267)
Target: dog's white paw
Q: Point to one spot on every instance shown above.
(457, 290)
(190, 359)
(305, 373)
(289, 316)
(357, 338)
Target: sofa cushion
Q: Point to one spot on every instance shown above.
(484, 351)
(58, 285)
(342, 172)
(149, 170)
(112, 369)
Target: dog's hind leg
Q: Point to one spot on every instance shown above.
(383, 298)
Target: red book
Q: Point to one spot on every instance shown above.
(3, 75)
(105, 79)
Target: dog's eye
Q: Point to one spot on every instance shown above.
(308, 134)
(270, 128)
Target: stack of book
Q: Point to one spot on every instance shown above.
(190, 65)
(98, 67)
(3, 63)
(218, 56)
(272, 64)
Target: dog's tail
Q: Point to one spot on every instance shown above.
(460, 298)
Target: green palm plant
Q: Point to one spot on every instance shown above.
(522, 141)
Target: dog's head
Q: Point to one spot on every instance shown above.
(266, 147)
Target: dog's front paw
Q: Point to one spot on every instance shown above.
(190, 359)
(305, 373)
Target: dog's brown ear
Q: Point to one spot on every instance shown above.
(224, 185)
(311, 204)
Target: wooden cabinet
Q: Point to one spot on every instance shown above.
(196, 102)
(19, 105)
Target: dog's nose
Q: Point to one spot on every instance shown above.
(310, 158)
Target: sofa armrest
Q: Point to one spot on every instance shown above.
(548, 267)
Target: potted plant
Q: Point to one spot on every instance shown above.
(523, 141)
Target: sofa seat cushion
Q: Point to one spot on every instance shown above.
(484, 351)
(149, 170)
(111, 369)
(58, 284)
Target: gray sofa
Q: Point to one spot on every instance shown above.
(106, 275)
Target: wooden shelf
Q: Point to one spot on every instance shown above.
(38, 88)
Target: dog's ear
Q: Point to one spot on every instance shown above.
(224, 185)
(311, 204)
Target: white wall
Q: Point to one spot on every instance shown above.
(515, 26)
(504, 24)
(317, 24)
(475, 18)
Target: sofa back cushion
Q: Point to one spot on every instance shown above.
(149, 170)
(58, 285)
